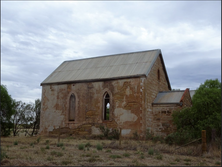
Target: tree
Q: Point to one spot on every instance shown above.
(34, 118)
(205, 113)
(6, 111)
(21, 116)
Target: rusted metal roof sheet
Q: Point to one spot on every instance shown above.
(125, 65)
(169, 97)
(192, 92)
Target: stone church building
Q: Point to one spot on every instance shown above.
(130, 91)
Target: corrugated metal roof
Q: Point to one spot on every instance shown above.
(105, 67)
(169, 97)
(192, 92)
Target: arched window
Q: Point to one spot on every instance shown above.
(72, 107)
(106, 106)
(158, 75)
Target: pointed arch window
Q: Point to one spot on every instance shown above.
(106, 106)
(72, 107)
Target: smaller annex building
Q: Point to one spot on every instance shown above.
(130, 91)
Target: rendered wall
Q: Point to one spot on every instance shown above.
(125, 106)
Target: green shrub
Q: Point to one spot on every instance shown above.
(31, 144)
(38, 139)
(159, 157)
(81, 146)
(150, 151)
(3, 155)
(115, 156)
(16, 142)
(104, 130)
(149, 135)
(135, 135)
(126, 154)
(180, 137)
(99, 147)
(108, 151)
(88, 144)
(47, 147)
(47, 142)
(59, 144)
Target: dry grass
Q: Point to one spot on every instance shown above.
(30, 152)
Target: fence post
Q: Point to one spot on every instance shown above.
(59, 135)
(120, 131)
(204, 142)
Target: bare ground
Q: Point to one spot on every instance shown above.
(30, 152)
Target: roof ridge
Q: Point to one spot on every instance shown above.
(113, 55)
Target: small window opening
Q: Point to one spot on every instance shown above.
(158, 75)
(72, 102)
(106, 109)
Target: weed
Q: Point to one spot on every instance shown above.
(23, 147)
(177, 159)
(59, 144)
(81, 146)
(135, 135)
(65, 162)
(53, 153)
(142, 157)
(104, 130)
(187, 163)
(16, 142)
(47, 142)
(31, 144)
(99, 147)
(3, 155)
(87, 148)
(59, 154)
(126, 154)
(42, 149)
(149, 136)
(108, 151)
(159, 157)
(172, 163)
(38, 139)
(115, 156)
(47, 147)
(88, 144)
(150, 151)
(63, 148)
(49, 158)
(92, 159)
(217, 163)
(187, 160)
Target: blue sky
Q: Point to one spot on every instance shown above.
(37, 36)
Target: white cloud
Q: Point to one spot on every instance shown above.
(37, 36)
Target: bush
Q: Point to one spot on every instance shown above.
(180, 137)
(126, 154)
(47, 147)
(81, 146)
(99, 147)
(115, 156)
(150, 151)
(16, 142)
(104, 130)
(38, 139)
(149, 135)
(59, 144)
(135, 135)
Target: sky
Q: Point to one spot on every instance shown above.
(37, 36)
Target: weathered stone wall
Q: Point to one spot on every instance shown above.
(125, 106)
(152, 85)
(162, 115)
